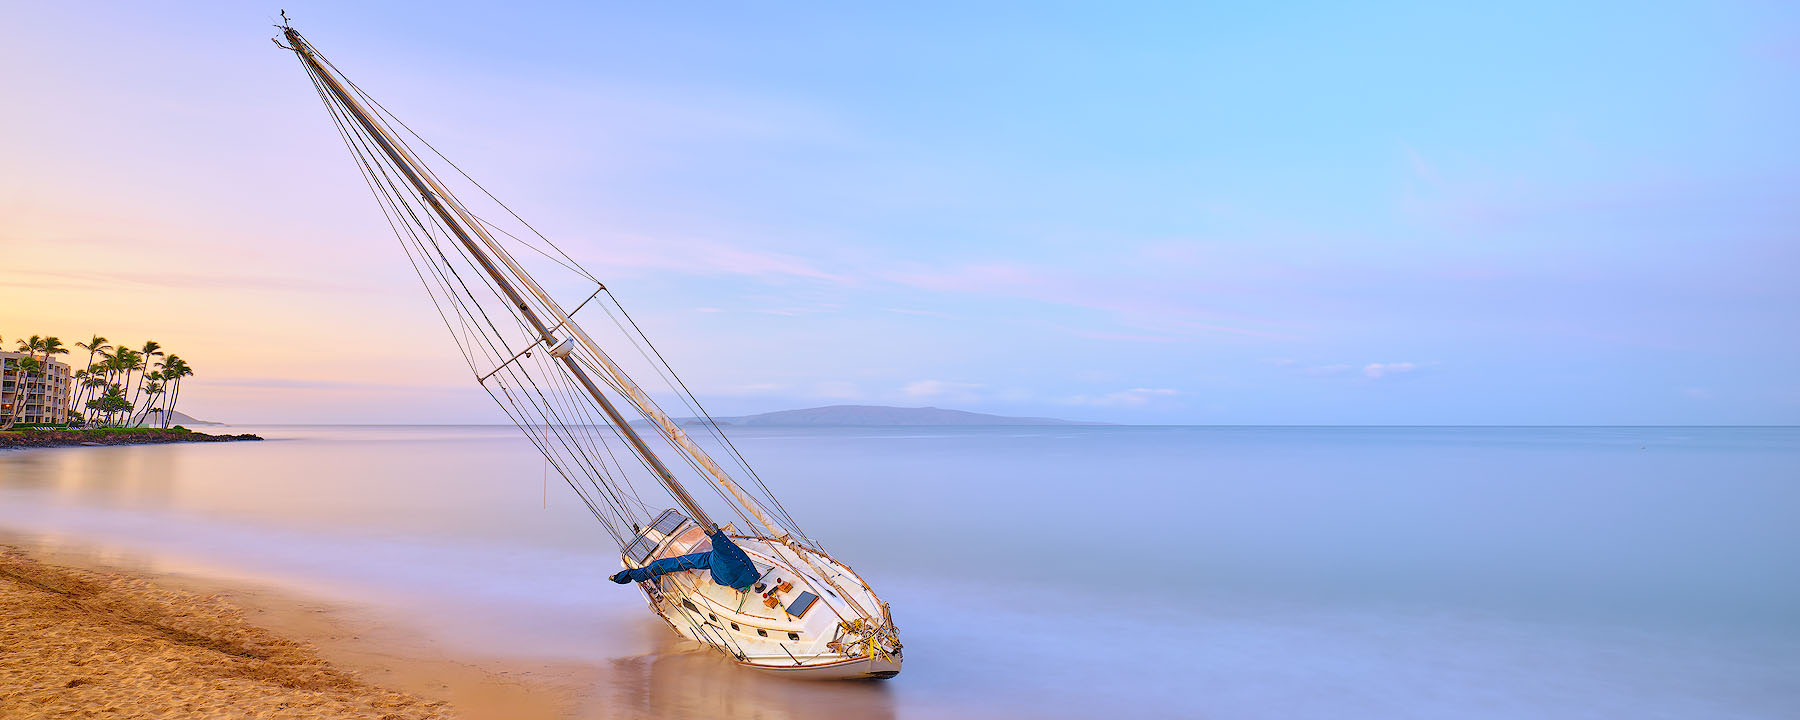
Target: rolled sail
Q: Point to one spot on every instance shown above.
(729, 565)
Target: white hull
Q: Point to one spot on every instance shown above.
(808, 630)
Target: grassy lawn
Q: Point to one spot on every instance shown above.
(107, 431)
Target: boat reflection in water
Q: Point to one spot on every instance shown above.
(700, 684)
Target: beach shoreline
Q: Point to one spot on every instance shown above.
(82, 636)
(77, 438)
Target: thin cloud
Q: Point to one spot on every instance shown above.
(1377, 371)
(1135, 397)
(708, 258)
(910, 311)
(941, 390)
(265, 383)
(64, 280)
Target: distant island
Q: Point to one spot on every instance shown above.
(177, 417)
(866, 415)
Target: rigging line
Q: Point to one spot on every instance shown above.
(446, 265)
(388, 182)
(539, 436)
(501, 251)
(711, 425)
(621, 391)
(596, 476)
(612, 483)
(594, 438)
(385, 198)
(617, 433)
(571, 268)
(449, 196)
(455, 203)
(691, 462)
(630, 487)
(547, 453)
(382, 203)
(685, 455)
(620, 436)
(643, 459)
(558, 426)
(383, 109)
(538, 433)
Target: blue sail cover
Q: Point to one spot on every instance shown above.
(729, 564)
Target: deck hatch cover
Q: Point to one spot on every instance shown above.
(802, 603)
(639, 548)
(667, 522)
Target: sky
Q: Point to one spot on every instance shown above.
(1370, 213)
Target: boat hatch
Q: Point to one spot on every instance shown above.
(639, 548)
(667, 522)
(802, 603)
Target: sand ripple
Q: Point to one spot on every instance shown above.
(77, 643)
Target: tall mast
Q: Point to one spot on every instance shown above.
(446, 208)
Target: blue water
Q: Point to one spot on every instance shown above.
(1056, 571)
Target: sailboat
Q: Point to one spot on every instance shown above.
(763, 593)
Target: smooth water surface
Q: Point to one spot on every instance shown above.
(1055, 571)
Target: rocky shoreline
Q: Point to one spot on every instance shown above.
(67, 438)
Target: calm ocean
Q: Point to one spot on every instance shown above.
(1077, 572)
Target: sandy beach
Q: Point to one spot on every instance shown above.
(81, 642)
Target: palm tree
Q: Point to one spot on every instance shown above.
(93, 381)
(120, 365)
(124, 361)
(52, 345)
(152, 349)
(94, 346)
(100, 374)
(152, 389)
(112, 401)
(30, 347)
(22, 370)
(174, 369)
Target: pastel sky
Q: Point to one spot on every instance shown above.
(1343, 213)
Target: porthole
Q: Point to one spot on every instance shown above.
(735, 627)
(793, 636)
(762, 632)
(711, 616)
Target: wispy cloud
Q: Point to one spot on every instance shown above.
(838, 390)
(911, 311)
(941, 390)
(1135, 397)
(65, 280)
(1368, 371)
(267, 383)
(708, 258)
(1380, 370)
(1173, 309)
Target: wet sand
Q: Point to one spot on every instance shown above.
(81, 642)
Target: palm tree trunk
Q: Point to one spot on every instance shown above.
(169, 407)
(18, 399)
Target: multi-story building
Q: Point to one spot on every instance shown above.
(45, 396)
